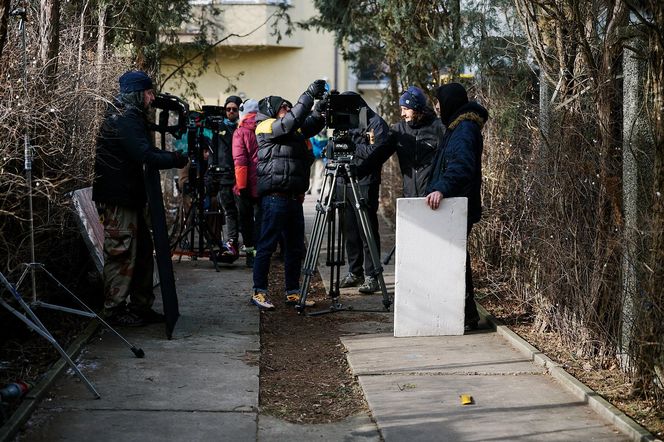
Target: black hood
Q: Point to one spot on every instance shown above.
(472, 107)
(451, 97)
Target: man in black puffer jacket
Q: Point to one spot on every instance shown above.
(284, 161)
(124, 147)
(367, 142)
(416, 139)
(457, 170)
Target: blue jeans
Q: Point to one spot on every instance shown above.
(281, 216)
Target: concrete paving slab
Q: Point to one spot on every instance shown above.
(171, 381)
(514, 408)
(482, 353)
(108, 345)
(141, 426)
(355, 428)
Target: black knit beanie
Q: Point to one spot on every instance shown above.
(270, 105)
(234, 99)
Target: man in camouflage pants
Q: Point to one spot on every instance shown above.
(124, 147)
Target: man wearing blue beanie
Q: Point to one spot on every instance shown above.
(414, 98)
(415, 139)
(124, 148)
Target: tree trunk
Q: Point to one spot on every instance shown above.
(655, 353)
(81, 41)
(101, 38)
(637, 162)
(455, 12)
(49, 38)
(4, 15)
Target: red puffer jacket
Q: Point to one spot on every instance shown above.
(245, 155)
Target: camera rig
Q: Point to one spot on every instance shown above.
(343, 113)
(168, 103)
(201, 228)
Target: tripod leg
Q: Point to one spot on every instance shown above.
(367, 231)
(336, 246)
(35, 324)
(138, 352)
(323, 207)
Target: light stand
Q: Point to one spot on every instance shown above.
(27, 149)
(31, 320)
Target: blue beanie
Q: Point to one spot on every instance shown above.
(134, 81)
(413, 98)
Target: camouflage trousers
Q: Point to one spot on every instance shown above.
(128, 262)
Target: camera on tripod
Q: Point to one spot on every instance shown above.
(168, 103)
(203, 131)
(343, 113)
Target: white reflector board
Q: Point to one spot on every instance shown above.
(430, 267)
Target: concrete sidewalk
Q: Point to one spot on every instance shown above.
(203, 384)
(413, 385)
(200, 386)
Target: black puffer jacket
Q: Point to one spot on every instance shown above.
(284, 159)
(123, 147)
(416, 145)
(221, 144)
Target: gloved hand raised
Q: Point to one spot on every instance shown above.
(321, 106)
(181, 159)
(316, 89)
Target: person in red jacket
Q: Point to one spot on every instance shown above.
(245, 158)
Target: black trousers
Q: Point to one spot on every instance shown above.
(357, 248)
(227, 200)
(250, 220)
(470, 311)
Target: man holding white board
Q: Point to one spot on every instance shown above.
(457, 170)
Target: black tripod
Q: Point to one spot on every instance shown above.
(330, 209)
(194, 226)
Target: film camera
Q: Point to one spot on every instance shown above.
(167, 103)
(343, 113)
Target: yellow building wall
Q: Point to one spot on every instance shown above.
(259, 71)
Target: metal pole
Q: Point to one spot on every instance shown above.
(27, 150)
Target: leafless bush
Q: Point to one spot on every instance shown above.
(61, 120)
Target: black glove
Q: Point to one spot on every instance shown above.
(321, 106)
(181, 160)
(316, 89)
